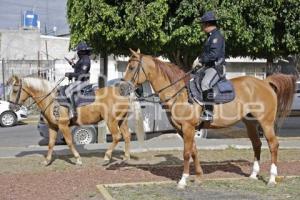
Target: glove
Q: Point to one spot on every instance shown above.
(69, 75)
(197, 63)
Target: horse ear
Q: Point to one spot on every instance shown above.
(12, 80)
(138, 51)
(134, 53)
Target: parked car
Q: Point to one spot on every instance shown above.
(155, 121)
(81, 134)
(296, 101)
(11, 113)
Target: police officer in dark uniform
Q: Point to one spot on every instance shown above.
(213, 61)
(81, 74)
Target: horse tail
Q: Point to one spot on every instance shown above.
(139, 124)
(284, 86)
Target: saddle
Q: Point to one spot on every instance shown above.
(223, 90)
(84, 97)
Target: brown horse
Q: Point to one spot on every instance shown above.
(256, 101)
(109, 105)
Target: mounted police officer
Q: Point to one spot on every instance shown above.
(213, 60)
(81, 75)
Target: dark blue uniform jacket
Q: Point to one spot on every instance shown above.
(82, 68)
(214, 49)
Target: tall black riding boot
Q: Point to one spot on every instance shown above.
(208, 97)
(72, 110)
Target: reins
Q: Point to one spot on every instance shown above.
(136, 75)
(43, 97)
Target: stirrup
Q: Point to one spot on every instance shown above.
(72, 114)
(207, 116)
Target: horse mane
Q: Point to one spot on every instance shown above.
(38, 84)
(172, 71)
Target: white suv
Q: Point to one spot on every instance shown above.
(11, 113)
(296, 101)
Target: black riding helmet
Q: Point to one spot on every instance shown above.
(83, 49)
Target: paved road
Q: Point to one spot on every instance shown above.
(291, 127)
(19, 136)
(27, 135)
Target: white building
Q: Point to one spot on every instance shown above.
(34, 49)
(245, 66)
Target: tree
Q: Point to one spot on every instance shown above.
(263, 29)
(260, 29)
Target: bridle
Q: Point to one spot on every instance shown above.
(19, 93)
(42, 98)
(136, 78)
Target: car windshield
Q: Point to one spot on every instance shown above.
(113, 81)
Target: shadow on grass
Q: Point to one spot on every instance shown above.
(64, 154)
(174, 172)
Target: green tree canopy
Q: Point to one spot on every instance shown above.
(263, 29)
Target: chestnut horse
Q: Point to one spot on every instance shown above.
(256, 101)
(109, 105)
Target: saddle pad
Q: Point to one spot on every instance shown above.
(223, 91)
(85, 97)
(225, 86)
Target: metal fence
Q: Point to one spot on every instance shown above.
(35, 68)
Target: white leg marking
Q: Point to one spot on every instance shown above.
(273, 172)
(182, 182)
(255, 170)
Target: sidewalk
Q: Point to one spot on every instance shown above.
(161, 143)
(32, 119)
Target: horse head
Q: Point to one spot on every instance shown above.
(136, 71)
(17, 94)
(141, 68)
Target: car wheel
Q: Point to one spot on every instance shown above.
(84, 135)
(8, 118)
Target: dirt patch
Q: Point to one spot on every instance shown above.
(25, 178)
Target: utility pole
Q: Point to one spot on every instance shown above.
(3, 79)
(46, 46)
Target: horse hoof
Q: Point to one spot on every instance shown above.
(46, 163)
(198, 181)
(105, 162)
(79, 162)
(253, 177)
(107, 158)
(181, 186)
(125, 159)
(271, 183)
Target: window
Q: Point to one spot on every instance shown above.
(139, 91)
(121, 68)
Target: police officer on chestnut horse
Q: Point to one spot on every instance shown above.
(213, 60)
(81, 75)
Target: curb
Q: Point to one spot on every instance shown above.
(103, 191)
(107, 196)
(217, 147)
(11, 152)
(30, 121)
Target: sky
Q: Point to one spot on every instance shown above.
(52, 13)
